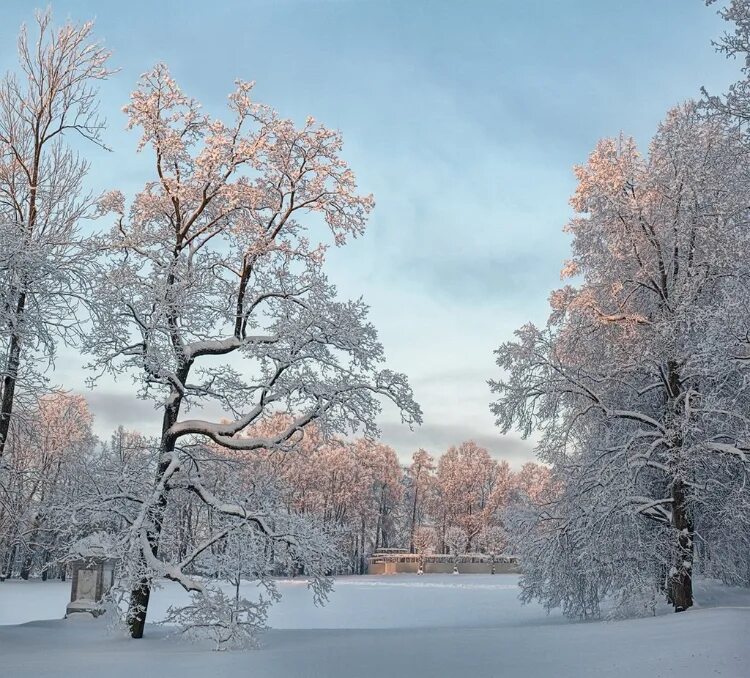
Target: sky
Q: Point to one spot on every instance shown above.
(464, 119)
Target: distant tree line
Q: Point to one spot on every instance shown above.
(65, 488)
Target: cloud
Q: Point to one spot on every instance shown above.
(112, 409)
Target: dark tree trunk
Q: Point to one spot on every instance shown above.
(139, 598)
(11, 376)
(48, 567)
(141, 593)
(26, 566)
(681, 579)
(362, 547)
(681, 575)
(10, 562)
(377, 531)
(14, 350)
(28, 560)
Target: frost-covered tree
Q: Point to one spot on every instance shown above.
(732, 545)
(229, 617)
(420, 476)
(638, 382)
(48, 446)
(224, 549)
(734, 43)
(44, 267)
(456, 540)
(216, 294)
(470, 487)
(383, 492)
(425, 539)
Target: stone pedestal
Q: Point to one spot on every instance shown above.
(91, 578)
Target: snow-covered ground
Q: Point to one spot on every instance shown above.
(431, 626)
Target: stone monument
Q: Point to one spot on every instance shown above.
(91, 578)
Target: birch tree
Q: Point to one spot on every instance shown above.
(216, 294)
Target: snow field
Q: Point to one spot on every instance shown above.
(404, 625)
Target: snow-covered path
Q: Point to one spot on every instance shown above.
(431, 626)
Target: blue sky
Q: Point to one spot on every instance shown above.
(463, 118)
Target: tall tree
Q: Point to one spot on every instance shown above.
(420, 475)
(637, 382)
(467, 478)
(43, 266)
(221, 255)
(383, 491)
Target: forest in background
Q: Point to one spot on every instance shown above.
(357, 490)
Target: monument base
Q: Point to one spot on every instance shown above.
(84, 606)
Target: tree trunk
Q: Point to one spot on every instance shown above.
(362, 547)
(141, 592)
(413, 518)
(11, 376)
(681, 574)
(14, 349)
(10, 562)
(681, 579)
(45, 565)
(377, 530)
(28, 562)
(138, 607)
